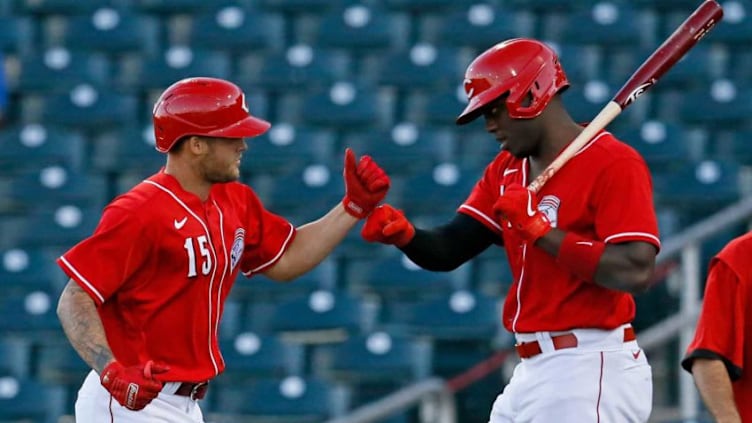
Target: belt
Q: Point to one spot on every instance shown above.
(194, 391)
(560, 342)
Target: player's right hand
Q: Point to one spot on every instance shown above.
(366, 184)
(388, 225)
(133, 387)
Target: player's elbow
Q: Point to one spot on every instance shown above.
(640, 279)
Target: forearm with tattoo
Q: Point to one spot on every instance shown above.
(83, 327)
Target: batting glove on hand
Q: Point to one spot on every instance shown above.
(133, 387)
(518, 208)
(388, 225)
(366, 184)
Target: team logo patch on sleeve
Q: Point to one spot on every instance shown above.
(237, 247)
(549, 206)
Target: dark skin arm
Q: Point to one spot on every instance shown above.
(624, 267)
(83, 327)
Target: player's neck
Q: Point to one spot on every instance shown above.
(555, 138)
(188, 177)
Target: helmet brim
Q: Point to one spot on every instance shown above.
(246, 128)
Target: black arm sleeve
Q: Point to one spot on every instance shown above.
(446, 247)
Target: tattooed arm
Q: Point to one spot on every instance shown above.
(83, 327)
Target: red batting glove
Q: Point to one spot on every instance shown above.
(366, 184)
(518, 208)
(388, 225)
(133, 387)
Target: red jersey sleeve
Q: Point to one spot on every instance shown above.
(720, 328)
(105, 261)
(270, 237)
(624, 203)
(479, 204)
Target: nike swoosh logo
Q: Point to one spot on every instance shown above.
(508, 171)
(530, 211)
(180, 223)
(636, 354)
(588, 243)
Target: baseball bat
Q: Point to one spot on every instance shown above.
(696, 26)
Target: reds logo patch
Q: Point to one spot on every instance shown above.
(237, 247)
(549, 205)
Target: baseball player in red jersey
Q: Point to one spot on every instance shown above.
(147, 289)
(577, 249)
(719, 357)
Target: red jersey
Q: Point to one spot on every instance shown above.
(603, 193)
(726, 320)
(161, 263)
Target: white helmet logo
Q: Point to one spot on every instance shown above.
(242, 103)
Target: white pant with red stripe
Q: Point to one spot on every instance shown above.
(601, 380)
(94, 404)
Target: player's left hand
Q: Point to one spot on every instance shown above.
(518, 208)
(366, 184)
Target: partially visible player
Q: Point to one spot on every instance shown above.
(719, 357)
(148, 288)
(577, 249)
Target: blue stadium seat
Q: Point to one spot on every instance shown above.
(250, 356)
(422, 66)
(44, 8)
(31, 316)
(660, 143)
(491, 273)
(54, 185)
(235, 28)
(58, 363)
(35, 146)
(16, 34)
(154, 73)
(64, 226)
(321, 317)
(25, 399)
(85, 108)
(15, 357)
(459, 316)
(298, 67)
(297, 7)
(733, 145)
(108, 30)
(479, 25)
(260, 288)
(293, 399)
(358, 28)
(420, 6)
(440, 107)
(405, 148)
(582, 63)
(170, 7)
(126, 149)
(735, 30)
(287, 148)
(58, 70)
(699, 187)
(724, 105)
(397, 278)
(447, 182)
(698, 67)
(607, 24)
(667, 6)
(584, 101)
(343, 105)
(306, 193)
(27, 270)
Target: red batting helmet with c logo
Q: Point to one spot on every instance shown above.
(519, 67)
(203, 106)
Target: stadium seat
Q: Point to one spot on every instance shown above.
(660, 143)
(458, 316)
(46, 188)
(170, 7)
(698, 67)
(479, 25)
(64, 226)
(405, 148)
(58, 70)
(321, 317)
(725, 104)
(25, 399)
(126, 149)
(44, 8)
(298, 67)
(420, 6)
(58, 363)
(607, 24)
(31, 316)
(344, 105)
(286, 148)
(107, 30)
(584, 101)
(259, 288)
(306, 193)
(397, 278)
(35, 146)
(440, 107)
(292, 399)
(447, 182)
(154, 73)
(15, 357)
(250, 356)
(699, 187)
(16, 34)
(735, 30)
(491, 273)
(235, 29)
(28, 270)
(357, 28)
(422, 66)
(293, 8)
(85, 108)
(667, 6)
(373, 365)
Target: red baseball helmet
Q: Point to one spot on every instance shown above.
(518, 66)
(203, 106)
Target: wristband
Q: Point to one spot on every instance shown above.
(580, 255)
